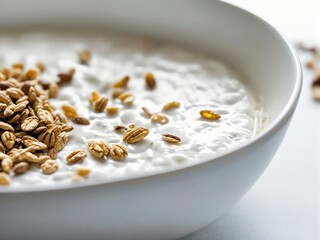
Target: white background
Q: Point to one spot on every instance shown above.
(285, 203)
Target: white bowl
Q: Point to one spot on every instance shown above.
(173, 203)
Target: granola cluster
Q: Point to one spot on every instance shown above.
(31, 131)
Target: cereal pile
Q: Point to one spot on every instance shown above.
(32, 132)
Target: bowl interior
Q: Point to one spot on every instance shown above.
(245, 42)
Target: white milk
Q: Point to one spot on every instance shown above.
(193, 79)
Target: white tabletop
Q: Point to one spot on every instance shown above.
(285, 203)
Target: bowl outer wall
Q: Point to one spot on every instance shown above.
(162, 206)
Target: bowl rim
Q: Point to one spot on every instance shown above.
(276, 124)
